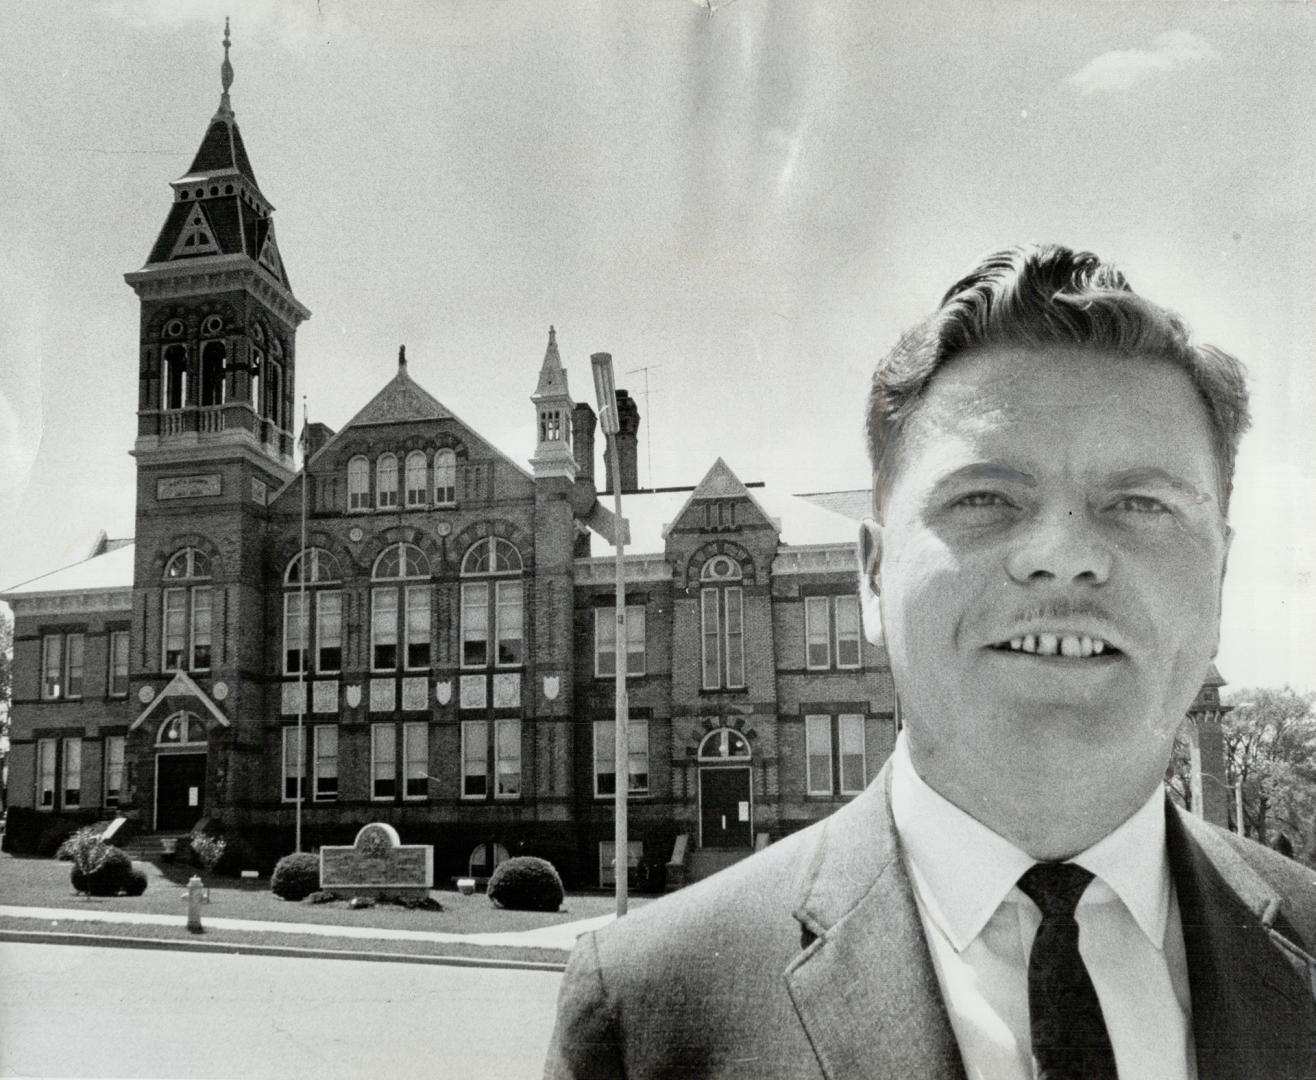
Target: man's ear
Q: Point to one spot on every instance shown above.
(1220, 594)
(870, 561)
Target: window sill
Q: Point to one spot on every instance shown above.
(725, 690)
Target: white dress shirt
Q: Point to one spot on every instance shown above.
(980, 928)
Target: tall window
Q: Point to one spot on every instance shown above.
(212, 373)
(721, 608)
(417, 485)
(828, 772)
(605, 640)
(187, 610)
(45, 774)
(72, 785)
(400, 612)
(383, 761)
(274, 390)
(175, 376)
(386, 482)
(62, 665)
(445, 478)
(831, 628)
(118, 661)
(605, 757)
(114, 746)
(294, 763)
(492, 609)
(491, 750)
(416, 753)
(326, 762)
(321, 607)
(358, 483)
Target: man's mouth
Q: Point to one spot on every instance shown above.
(1074, 646)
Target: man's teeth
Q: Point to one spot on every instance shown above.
(1058, 644)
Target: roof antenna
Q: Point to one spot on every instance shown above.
(225, 74)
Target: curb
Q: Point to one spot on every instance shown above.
(48, 937)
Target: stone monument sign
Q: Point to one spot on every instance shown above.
(378, 864)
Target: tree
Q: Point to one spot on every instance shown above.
(1270, 748)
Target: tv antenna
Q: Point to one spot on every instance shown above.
(648, 430)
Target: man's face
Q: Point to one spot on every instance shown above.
(1049, 567)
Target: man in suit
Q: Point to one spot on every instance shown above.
(1013, 896)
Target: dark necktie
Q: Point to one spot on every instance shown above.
(1070, 1041)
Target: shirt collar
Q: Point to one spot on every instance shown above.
(947, 848)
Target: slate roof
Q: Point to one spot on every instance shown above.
(856, 505)
(222, 149)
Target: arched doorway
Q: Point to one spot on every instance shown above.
(485, 859)
(726, 812)
(180, 772)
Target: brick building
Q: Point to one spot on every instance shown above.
(432, 616)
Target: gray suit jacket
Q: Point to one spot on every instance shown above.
(808, 960)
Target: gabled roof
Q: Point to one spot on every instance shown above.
(721, 483)
(402, 400)
(108, 571)
(856, 504)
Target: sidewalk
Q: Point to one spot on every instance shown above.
(561, 936)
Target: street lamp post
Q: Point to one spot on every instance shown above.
(605, 392)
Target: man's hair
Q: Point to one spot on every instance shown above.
(1040, 296)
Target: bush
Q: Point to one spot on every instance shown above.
(136, 882)
(206, 851)
(80, 844)
(296, 876)
(526, 883)
(103, 871)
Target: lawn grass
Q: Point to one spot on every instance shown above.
(34, 882)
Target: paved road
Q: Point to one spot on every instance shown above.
(76, 1011)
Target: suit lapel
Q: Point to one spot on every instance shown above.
(1251, 1009)
(865, 988)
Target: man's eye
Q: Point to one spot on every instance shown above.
(981, 498)
(1141, 504)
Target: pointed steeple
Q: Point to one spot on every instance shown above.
(553, 409)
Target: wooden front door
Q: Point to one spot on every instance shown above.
(724, 808)
(180, 790)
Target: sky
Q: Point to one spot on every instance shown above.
(744, 201)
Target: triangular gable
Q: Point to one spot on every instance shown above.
(181, 685)
(197, 237)
(269, 255)
(720, 483)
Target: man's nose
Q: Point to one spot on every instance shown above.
(1063, 547)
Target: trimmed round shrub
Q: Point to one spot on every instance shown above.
(104, 873)
(136, 882)
(296, 876)
(526, 883)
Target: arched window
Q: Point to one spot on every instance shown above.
(485, 859)
(212, 373)
(722, 623)
(492, 611)
(175, 377)
(386, 481)
(358, 483)
(320, 605)
(417, 487)
(400, 612)
(724, 744)
(181, 729)
(275, 394)
(186, 612)
(445, 478)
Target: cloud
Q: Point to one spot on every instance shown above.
(1122, 68)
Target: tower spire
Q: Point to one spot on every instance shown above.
(225, 76)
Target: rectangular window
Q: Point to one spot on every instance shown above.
(114, 745)
(72, 785)
(329, 632)
(607, 851)
(384, 629)
(847, 631)
(605, 757)
(175, 628)
(507, 758)
(118, 680)
(475, 759)
(851, 742)
(712, 638)
(326, 762)
(818, 754)
(74, 645)
(418, 626)
(509, 622)
(52, 666)
(201, 628)
(383, 761)
(294, 763)
(735, 638)
(605, 637)
(817, 632)
(475, 624)
(294, 633)
(45, 794)
(416, 752)
(417, 488)
(445, 478)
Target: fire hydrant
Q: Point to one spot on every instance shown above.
(195, 895)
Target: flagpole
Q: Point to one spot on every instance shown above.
(302, 651)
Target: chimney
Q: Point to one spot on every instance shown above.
(628, 418)
(582, 440)
(317, 435)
